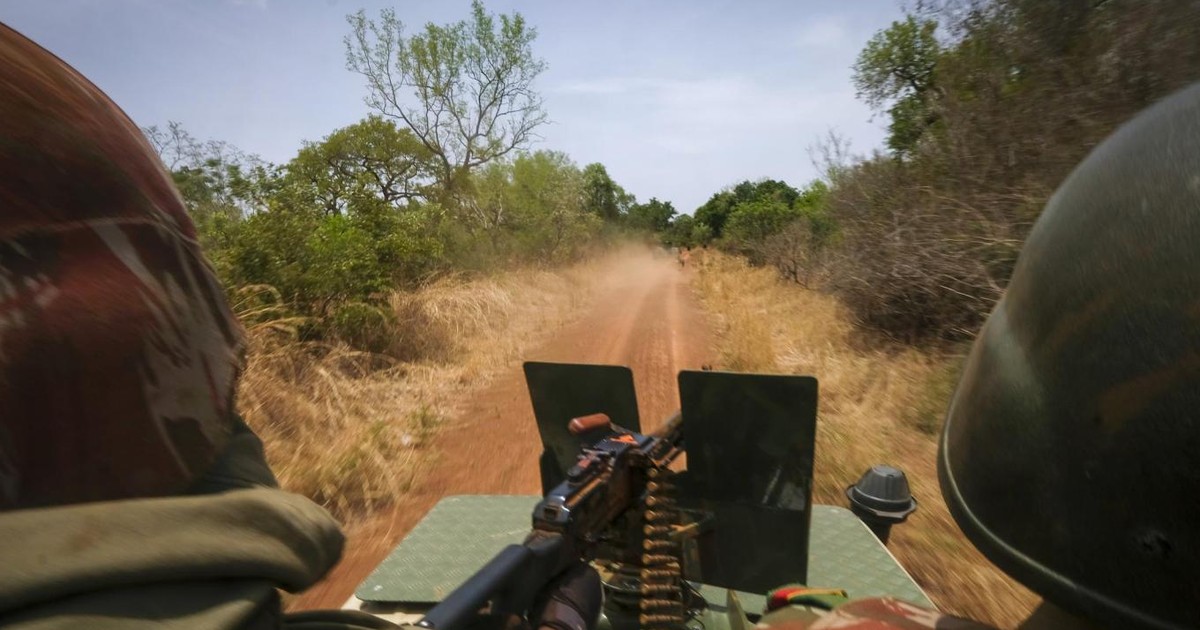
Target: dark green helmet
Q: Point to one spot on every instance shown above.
(1071, 451)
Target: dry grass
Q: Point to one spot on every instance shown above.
(877, 405)
(350, 429)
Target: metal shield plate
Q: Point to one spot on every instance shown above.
(750, 440)
(561, 391)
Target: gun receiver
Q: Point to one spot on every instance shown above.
(616, 474)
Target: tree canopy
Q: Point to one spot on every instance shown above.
(652, 216)
(716, 211)
(464, 89)
(371, 159)
(601, 195)
(897, 66)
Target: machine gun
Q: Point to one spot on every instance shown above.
(693, 541)
(617, 479)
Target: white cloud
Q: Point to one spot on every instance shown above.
(823, 32)
(257, 4)
(682, 138)
(597, 86)
(704, 104)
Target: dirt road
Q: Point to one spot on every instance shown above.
(644, 316)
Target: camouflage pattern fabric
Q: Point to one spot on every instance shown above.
(866, 614)
(118, 351)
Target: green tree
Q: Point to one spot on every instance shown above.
(465, 89)
(652, 216)
(370, 160)
(547, 194)
(601, 195)
(897, 66)
(491, 205)
(681, 232)
(220, 185)
(753, 221)
(716, 211)
(812, 205)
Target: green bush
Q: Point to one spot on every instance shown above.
(351, 219)
(368, 327)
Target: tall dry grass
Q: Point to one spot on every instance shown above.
(350, 429)
(877, 405)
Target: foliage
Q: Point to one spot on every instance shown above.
(990, 104)
(437, 180)
(897, 61)
(1020, 91)
(717, 210)
(752, 222)
(768, 222)
(800, 248)
(343, 225)
(652, 216)
(372, 160)
(602, 196)
(897, 66)
(681, 232)
(219, 183)
(552, 221)
(464, 89)
(347, 221)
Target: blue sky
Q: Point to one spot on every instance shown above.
(677, 98)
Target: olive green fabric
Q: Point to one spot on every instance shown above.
(214, 559)
(242, 464)
(146, 560)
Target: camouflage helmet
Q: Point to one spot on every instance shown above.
(118, 351)
(1071, 450)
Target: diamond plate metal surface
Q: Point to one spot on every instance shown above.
(461, 533)
(843, 553)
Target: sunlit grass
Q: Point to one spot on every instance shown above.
(351, 429)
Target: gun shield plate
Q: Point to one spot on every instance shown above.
(750, 441)
(562, 391)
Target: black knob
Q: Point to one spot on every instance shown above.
(881, 498)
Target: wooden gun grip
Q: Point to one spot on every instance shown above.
(583, 424)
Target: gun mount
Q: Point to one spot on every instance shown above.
(693, 541)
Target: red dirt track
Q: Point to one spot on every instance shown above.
(645, 317)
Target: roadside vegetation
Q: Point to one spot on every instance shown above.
(989, 105)
(396, 264)
(393, 266)
(875, 277)
(351, 429)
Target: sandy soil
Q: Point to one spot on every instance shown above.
(644, 316)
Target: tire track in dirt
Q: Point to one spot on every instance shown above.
(644, 317)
